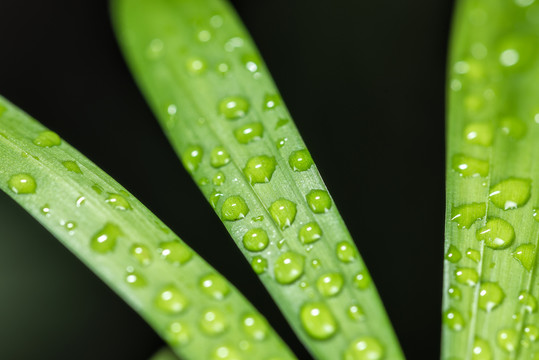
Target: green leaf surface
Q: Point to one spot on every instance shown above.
(492, 228)
(198, 312)
(216, 101)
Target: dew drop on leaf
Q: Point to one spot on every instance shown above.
(213, 322)
(288, 267)
(310, 233)
(215, 286)
(105, 239)
(318, 321)
(22, 184)
(510, 193)
(47, 139)
(260, 169)
(234, 208)
(170, 300)
(300, 160)
(330, 284)
(255, 240)
(319, 201)
(233, 107)
(498, 234)
(283, 212)
(365, 348)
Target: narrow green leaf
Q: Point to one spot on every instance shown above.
(198, 312)
(492, 232)
(218, 105)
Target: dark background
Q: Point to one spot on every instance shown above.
(364, 81)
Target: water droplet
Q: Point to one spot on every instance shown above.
(233, 107)
(233, 43)
(346, 252)
(288, 267)
(178, 333)
(474, 255)
(219, 157)
(479, 134)
(330, 284)
(271, 102)
(105, 239)
(362, 280)
(249, 132)
(498, 234)
(281, 142)
(141, 253)
(510, 193)
(203, 181)
(258, 218)
(355, 312)
(22, 184)
(226, 353)
(214, 198)
(46, 210)
(118, 202)
(364, 348)
(204, 35)
(466, 276)
(134, 278)
(507, 340)
(69, 225)
(300, 160)
(255, 326)
(215, 286)
(213, 322)
(453, 319)
(453, 254)
(319, 201)
(255, 240)
(466, 215)
(491, 295)
(525, 254)
(223, 68)
(72, 166)
(281, 122)
(481, 350)
(513, 127)
(454, 292)
(196, 66)
(259, 169)
(47, 139)
(283, 212)
(234, 208)
(218, 179)
(155, 49)
(191, 158)
(469, 166)
(259, 264)
(318, 321)
(310, 233)
(528, 301)
(251, 62)
(509, 57)
(175, 252)
(170, 300)
(531, 333)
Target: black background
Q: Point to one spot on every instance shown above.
(364, 81)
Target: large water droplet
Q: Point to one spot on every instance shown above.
(453, 319)
(346, 251)
(259, 169)
(105, 239)
(191, 157)
(466, 276)
(507, 340)
(481, 350)
(215, 286)
(233, 107)
(219, 157)
(319, 201)
(310, 233)
(453, 254)
(255, 240)
(466, 215)
(525, 254)
(234, 208)
(469, 166)
(318, 321)
(249, 132)
(300, 160)
(288, 267)
(491, 295)
(170, 300)
(330, 284)
(510, 193)
(283, 212)
(175, 252)
(531, 333)
(22, 184)
(498, 234)
(365, 348)
(213, 322)
(255, 326)
(47, 139)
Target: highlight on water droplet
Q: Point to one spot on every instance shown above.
(191, 157)
(255, 326)
(300, 160)
(46, 210)
(218, 179)
(22, 184)
(453, 254)
(226, 352)
(213, 321)
(355, 312)
(271, 102)
(362, 280)
(118, 202)
(453, 319)
(513, 127)
(215, 286)
(281, 142)
(260, 169)
(491, 296)
(249, 132)
(330, 284)
(481, 350)
(310, 233)
(528, 301)
(288, 267)
(283, 212)
(465, 215)
(134, 278)
(255, 240)
(498, 234)
(318, 321)
(171, 300)
(507, 340)
(479, 134)
(105, 239)
(466, 276)
(196, 65)
(365, 348)
(454, 292)
(214, 198)
(525, 254)
(219, 157)
(259, 264)
(474, 255)
(234, 208)
(468, 166)
(511, 193)
(319, 201)
(178, 333)
(141, 253)
(47, 139)
(72, 166)
(346, 251)
(233, 107)
(175, 252)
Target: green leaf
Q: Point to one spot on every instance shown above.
(198, 312)
(492, 232)
(219, 107)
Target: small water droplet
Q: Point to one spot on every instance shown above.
(355, 312)
(346, 252)
(453, 254)
(191, 158)
(204, 35)
(318, 321)
(525, 254)
(281, 122)
(528, 301)
(178, 333)
(216, 21)
(47, 139)
(288, 267)
(170, 300)
(259, 264)
(234, 208)
(511, 193)
(283, 212)
(255, 326)
(319, 201)
(281, 142)
(72, 166)
(474, 255)
(468, 166)
(260, 169)
(531, 333)
(233, 43)
(362, 280)
(453, 319)
(214, 198)
(226, 352)
(249, 132)
(118, 202)
(69, 225)
(498, 234)
(215, 286)
(310, 233)
(219, 157)
(507, 340)
(255, 240)
(300, 160)
(491, 295)
(203, 181)
(219, 179)
(365, 348)
(134, 278)
(315, 263)
(251, 63)
(105, 239)
(479, 134)
(223, 68)
(454, 292)
(175, 252)
(22, 184)
(233, 107)
(513, 127)
(330, 284)
(213, 322)
(141, 253)
(466, 276)
(271, 102)
(481, 350)
(466, 215)
(258, 218)
(46, 210)
(196, 66)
